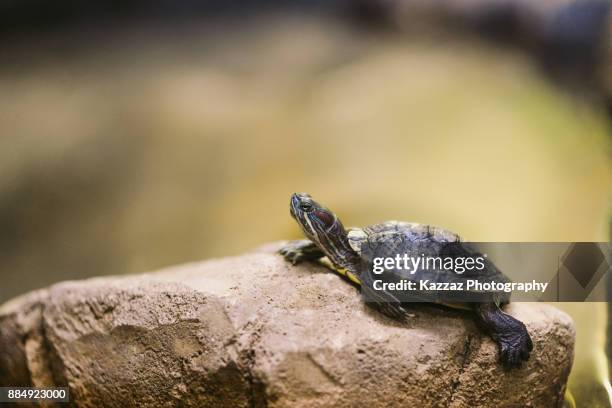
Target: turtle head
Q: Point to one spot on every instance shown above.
(313, 218)
(322, 227)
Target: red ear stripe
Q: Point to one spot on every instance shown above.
(324, 216)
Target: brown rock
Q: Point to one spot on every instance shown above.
(253, 330)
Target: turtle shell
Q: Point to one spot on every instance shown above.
(411, 230)
(391, 238)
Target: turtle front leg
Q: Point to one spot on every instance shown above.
(509, 333)
(300, 251)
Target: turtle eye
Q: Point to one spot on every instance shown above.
(306, 206)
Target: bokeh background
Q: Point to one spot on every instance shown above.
(127, 146)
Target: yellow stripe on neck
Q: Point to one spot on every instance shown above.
(340, 271)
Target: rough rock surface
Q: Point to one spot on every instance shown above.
(254, 331)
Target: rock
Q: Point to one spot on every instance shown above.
(253, 330)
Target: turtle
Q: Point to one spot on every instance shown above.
(348, 252)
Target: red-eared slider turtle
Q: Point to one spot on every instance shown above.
(349, 253)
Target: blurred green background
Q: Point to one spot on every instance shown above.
(147, 146)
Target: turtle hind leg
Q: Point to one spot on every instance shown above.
(300, 251)
(510, 334)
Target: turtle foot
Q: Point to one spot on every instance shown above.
(300, 251)
(510, 334)
(515, 345)
(292, 254)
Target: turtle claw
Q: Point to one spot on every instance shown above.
(300, 251)
(512, 359)
(293, 255)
